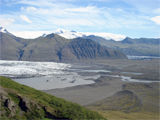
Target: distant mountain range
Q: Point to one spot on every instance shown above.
(129, 46)
(54, 48)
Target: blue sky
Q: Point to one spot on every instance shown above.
(133, 18)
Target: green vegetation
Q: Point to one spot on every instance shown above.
(120, 115)
(14, 97)
(38, 105)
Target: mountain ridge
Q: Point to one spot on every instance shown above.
(54, 48)
(130, 46)
(68, 34)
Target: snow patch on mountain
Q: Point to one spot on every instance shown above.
(4, 30)
(69, 34)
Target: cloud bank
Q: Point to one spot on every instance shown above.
(156, 20)
(133, 18)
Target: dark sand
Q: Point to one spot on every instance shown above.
(86, 94)
(106, 86)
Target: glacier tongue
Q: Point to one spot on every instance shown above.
(31, 68)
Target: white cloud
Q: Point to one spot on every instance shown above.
(69, 16)
(88, 9)
(29, 34)
(25, 18)
(4, 22)
(28, 9)
(44, 3)
(31, 8)
(156, 20)
(72, 22)
(84, 16)
(157, 11)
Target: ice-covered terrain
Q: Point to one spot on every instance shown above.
(69, 34)
(32, 68)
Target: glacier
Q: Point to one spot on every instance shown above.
(32, 68)
(68, 34)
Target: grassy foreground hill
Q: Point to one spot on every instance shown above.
(22, 102)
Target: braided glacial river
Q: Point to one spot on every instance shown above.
(52, 75)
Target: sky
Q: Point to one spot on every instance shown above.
(133, 18)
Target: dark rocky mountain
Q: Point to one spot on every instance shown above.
(83, 49)
(54, 48)
(129, 46)
(9, 47)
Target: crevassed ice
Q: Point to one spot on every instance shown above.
(27, 67)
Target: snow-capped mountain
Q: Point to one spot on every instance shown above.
(4, 30)
(69, 34)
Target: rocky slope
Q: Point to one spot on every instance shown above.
(9, 47)
(54, 48)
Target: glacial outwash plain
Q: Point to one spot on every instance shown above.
(117, 98)
(51, 77)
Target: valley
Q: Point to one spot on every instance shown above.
(89, 71)
(109, 94)
(79, 59)
(117, 99)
